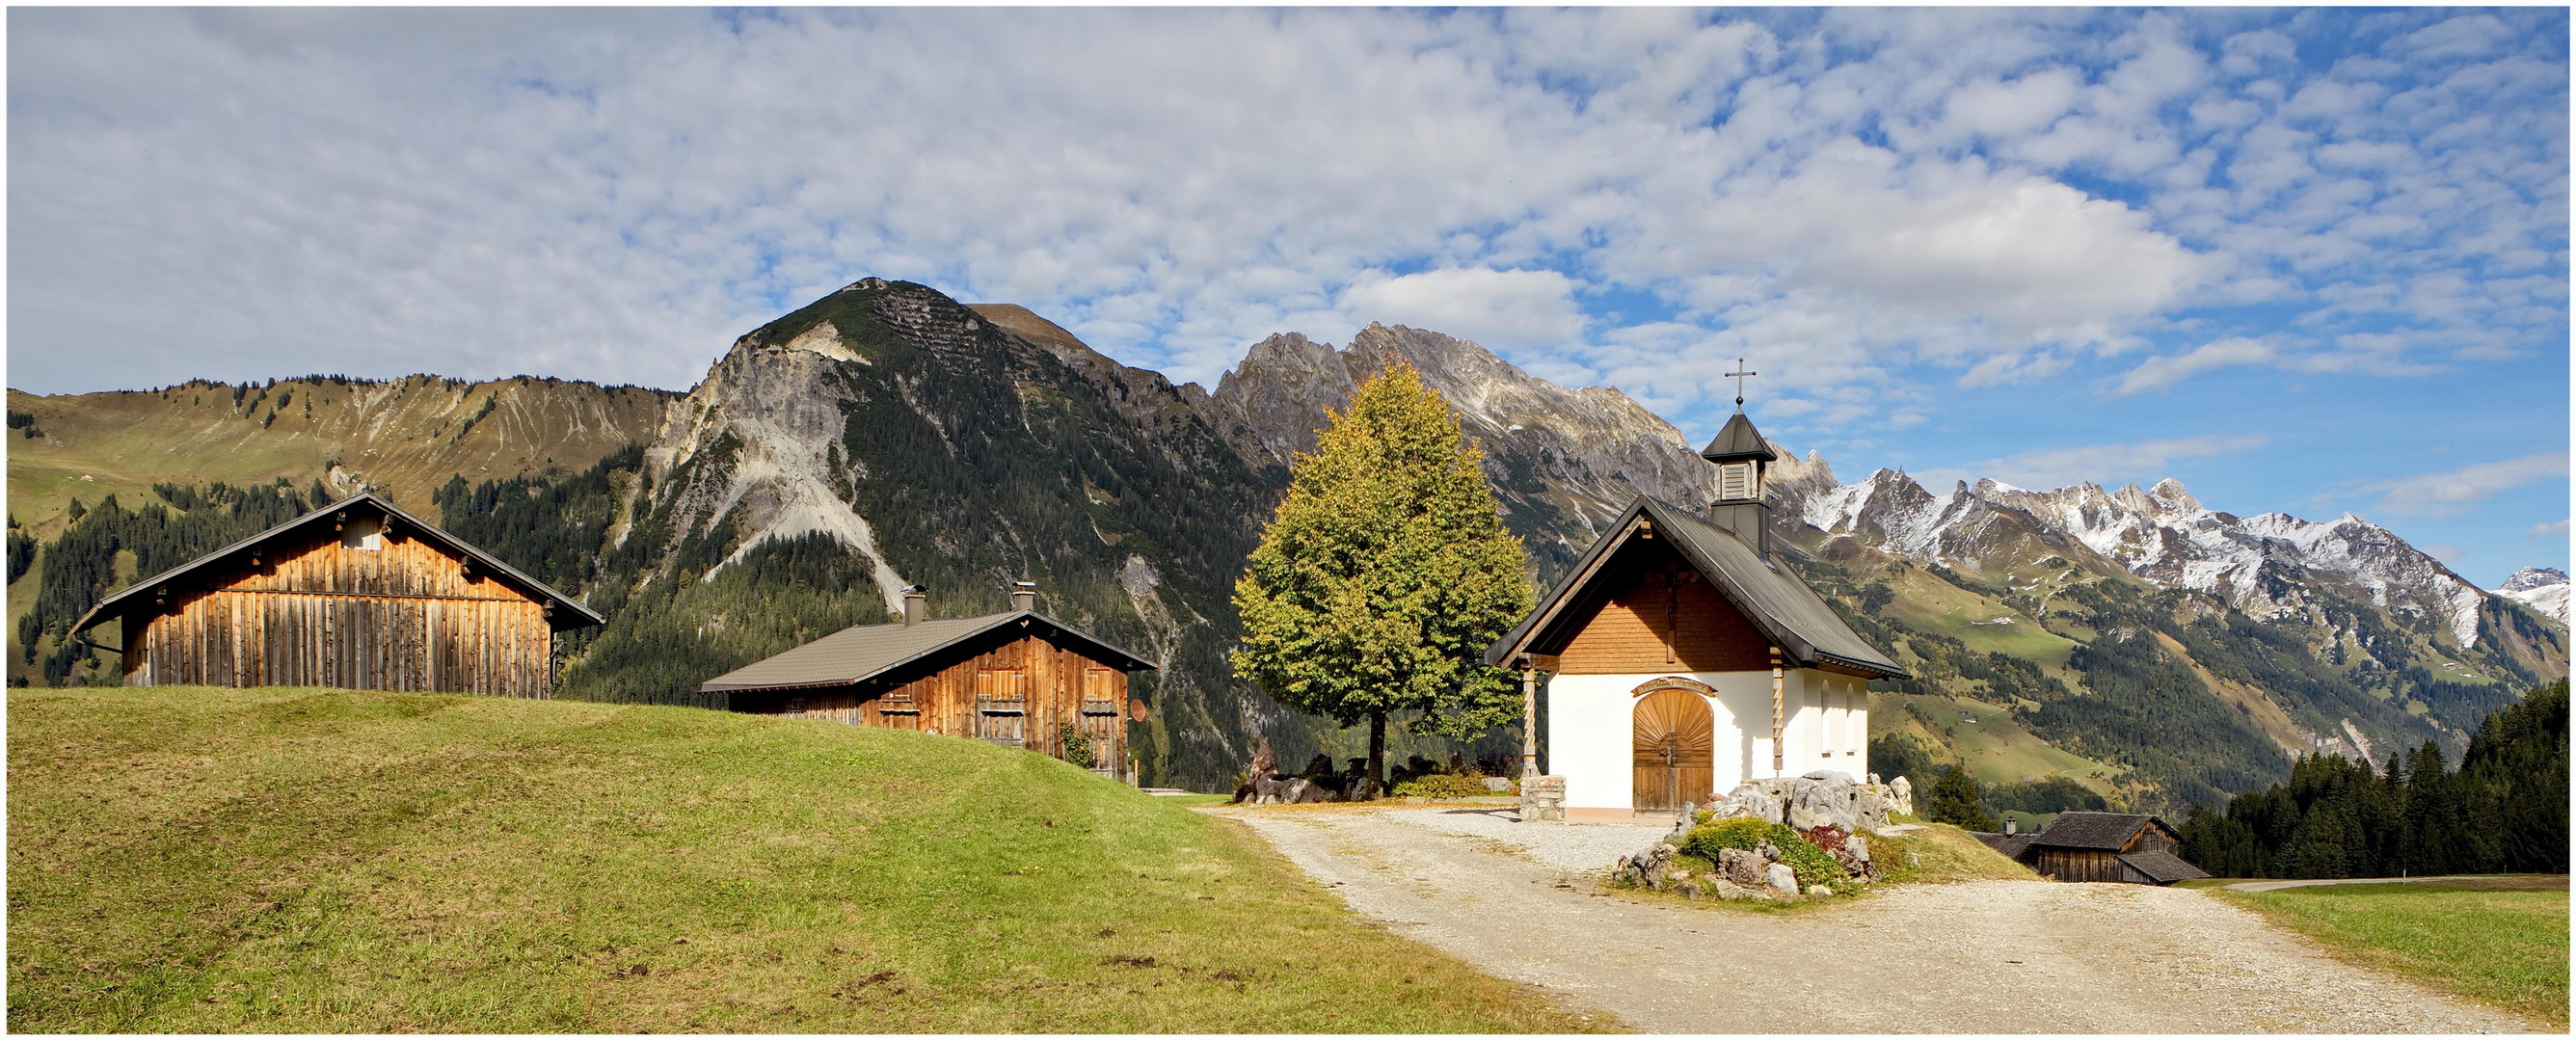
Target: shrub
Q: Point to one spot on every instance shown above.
(1732, 833)
(1445, 786)
(1814, 866)
(1077, 746)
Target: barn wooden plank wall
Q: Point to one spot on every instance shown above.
(1628, 635)
(406, 616)
(971, 698)
(2103, 865)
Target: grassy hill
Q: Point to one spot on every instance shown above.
(405, 436)
(294, 860)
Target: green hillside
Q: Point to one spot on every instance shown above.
(297, 860)
(404, 436)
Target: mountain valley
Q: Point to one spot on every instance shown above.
(2129, 640)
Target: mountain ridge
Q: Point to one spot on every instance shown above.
(885, 434)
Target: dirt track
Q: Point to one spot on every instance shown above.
(1968, 958)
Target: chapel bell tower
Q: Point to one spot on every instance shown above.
(1742, 459)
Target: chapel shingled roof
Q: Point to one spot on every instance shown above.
(863, 652)
(1769, 595)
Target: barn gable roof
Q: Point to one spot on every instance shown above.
(124, 600)
(863, 652)
(2165, 868)
(2090, 830)
(1772, 597)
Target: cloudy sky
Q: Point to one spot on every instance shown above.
(2308, 261)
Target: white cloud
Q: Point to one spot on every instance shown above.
(2451, 492)
(2161, 372)
(2143, 462)
(1499, 309)
(1861, 200)
(2556, 527)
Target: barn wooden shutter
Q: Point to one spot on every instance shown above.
(1002, 706)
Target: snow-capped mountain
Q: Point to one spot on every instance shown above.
(2263, 565)
(2544, 589)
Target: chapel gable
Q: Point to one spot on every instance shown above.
(1654, 611)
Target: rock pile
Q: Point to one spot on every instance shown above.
(1822, 798)
(1741, 874)
(1827, 807)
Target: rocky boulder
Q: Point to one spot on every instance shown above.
(1823, 802)
(1742, 867)
(1782, 880)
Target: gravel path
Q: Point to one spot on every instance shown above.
(1968, 958)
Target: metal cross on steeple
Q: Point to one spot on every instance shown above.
(1739, 374)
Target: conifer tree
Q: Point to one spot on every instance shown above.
(1954, 800)
(1385, 574)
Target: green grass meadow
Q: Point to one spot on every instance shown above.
(301, 860)
(2501, 940)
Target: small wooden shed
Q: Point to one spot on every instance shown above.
(1018, 678)
(2101, 847)
(358, 594)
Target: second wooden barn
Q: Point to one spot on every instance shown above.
(1018, 678)
(2101, 847)
(358, 594)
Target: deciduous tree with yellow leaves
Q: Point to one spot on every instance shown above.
(1385, 574)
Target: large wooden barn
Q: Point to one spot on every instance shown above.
(2101, 847)
(1018, 678)
(358, 594)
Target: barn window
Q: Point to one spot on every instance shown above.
(795, 704)
(1099, 688)
(367, 533)
(1001, 704)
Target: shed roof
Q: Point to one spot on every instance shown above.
(1773, 598)
(2163, 867)
(119, 603)
(2009, 845)
(2089, 830)
(862, 652)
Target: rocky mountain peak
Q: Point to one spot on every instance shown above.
(1561, 460)
(2531, 578)
(2543, 589)
(2261, 565)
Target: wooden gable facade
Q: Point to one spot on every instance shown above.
(359, 595)
(1018, 679)
(1651, 610)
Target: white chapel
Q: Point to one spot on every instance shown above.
(1684, 656)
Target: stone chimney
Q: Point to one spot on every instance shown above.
(916, 604)
(1024, 596)
(2012, 825)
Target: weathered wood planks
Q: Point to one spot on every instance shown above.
(382, 613)
(1023, 691)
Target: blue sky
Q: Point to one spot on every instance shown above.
(2307, 261)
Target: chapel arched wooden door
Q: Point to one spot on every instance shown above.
(1674, 750)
